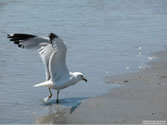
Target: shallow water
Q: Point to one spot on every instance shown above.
(104, 38)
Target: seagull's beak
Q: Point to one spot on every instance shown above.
(85, 79)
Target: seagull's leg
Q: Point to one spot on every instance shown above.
(47, 98)
(50, 94)
(57, 100)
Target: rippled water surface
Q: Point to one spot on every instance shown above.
(104, 38)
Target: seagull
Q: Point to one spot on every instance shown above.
(52, 51)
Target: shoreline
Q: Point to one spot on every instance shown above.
(143, 97)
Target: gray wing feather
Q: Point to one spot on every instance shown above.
(53, 56)
(57, 63)
(35, 43)
(45, 54)
(54, 59)
(28, 41)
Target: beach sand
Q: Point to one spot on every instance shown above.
(143, 97)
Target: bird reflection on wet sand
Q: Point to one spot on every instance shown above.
(58, 113)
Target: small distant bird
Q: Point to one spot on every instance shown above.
(52, 50)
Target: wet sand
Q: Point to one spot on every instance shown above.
(143, 97)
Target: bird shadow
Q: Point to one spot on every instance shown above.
(72, 103)
(58, 113)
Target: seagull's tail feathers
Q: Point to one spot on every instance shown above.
(44, 84)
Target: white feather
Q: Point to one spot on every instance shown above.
(44, 84)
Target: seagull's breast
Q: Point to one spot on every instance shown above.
(63, 83)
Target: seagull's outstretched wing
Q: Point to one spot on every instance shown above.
(28, 41)
(57, 62)
(53, 56)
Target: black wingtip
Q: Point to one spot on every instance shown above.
(18, 38)
(9, 35)
(52, 36)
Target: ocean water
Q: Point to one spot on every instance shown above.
(104, 38)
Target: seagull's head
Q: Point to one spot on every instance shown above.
(52, 36)
(79, 76)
